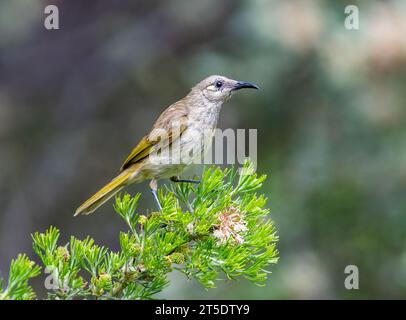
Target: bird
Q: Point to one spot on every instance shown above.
(180, 134)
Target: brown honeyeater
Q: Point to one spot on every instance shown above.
(182, 127)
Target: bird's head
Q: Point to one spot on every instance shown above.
(218, 89)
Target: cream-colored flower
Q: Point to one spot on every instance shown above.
(231, 226)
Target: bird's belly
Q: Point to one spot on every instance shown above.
(194, 145)
(155, 170)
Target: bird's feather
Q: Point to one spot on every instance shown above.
(141, 151)
(104, 193)
(173, 122)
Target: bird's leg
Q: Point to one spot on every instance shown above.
(176, 179)
(153, 185)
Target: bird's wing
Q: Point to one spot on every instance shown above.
(138, 153)
(172, 122)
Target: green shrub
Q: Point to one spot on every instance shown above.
(207, 231)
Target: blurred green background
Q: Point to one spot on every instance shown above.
(331, 120)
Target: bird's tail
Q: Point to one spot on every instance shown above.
(105, 193)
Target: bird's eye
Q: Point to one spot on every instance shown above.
(219, 84)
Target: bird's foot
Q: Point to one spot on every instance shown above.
(153, 185)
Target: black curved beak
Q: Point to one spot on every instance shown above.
(240, 85)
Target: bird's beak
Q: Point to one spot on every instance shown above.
(240, 85)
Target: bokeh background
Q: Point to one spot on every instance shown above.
(331, 122)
